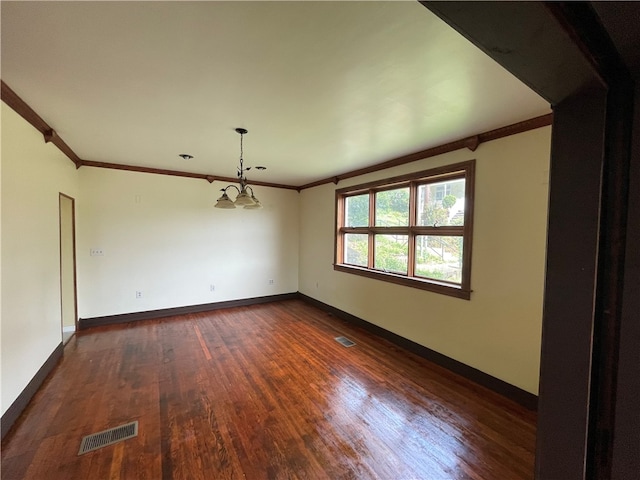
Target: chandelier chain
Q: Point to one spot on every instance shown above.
(245, 197)
(241, 172)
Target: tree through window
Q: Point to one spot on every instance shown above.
(414, 230)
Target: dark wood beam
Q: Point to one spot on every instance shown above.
(51, 136)
(135, 168)
(25, 111)
(178, 173)
(471, 143)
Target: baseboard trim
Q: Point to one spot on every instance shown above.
(522, 397)
(20, 403)
(501, 387)
(85, 323)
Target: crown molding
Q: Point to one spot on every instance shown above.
(471, 143)
(50, 136)
(178, 173)
(12, 99)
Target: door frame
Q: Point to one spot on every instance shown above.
(73, 244)
(564, 53)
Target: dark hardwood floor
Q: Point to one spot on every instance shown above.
(263, 392)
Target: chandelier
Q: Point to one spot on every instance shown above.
(244, 198)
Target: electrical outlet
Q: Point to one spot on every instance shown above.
(271, 282)
(96, 252)
(138, 294)
(212, 288)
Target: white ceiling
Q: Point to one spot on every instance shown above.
(323, 87)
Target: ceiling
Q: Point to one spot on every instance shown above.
(322, 87)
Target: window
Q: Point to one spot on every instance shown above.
(414, 230)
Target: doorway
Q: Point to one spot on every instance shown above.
(68, 300)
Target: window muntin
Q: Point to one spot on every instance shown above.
(413, 230)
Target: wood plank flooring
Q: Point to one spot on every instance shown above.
(263, 392)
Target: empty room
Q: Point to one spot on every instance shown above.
(341, 240)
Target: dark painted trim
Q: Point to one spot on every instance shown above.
(20, 403)
(178, 173)
(522, 397)
(525, 39)
(86, 323)
(582, 23)
(471, 143)
(12, 99)
(516, 394)
(626, 441)
(570, 287)
(563, 51)
(21, 107)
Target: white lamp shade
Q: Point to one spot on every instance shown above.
(224, 202)
(244, 198)
(255, 206)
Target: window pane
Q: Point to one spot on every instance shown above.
(357, 211)
(391, 253)
(392, 208)
(441, 203)
(356, 246)
(439, 258)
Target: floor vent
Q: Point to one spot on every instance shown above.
(108, 437)
(345, 342)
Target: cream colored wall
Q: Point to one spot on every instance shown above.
(498, 330)
(161, 236)
(33, 174)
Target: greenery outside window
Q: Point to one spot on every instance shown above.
(415, 230)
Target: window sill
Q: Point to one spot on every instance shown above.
(429, 285)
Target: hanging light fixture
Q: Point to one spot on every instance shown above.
(245, 197)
